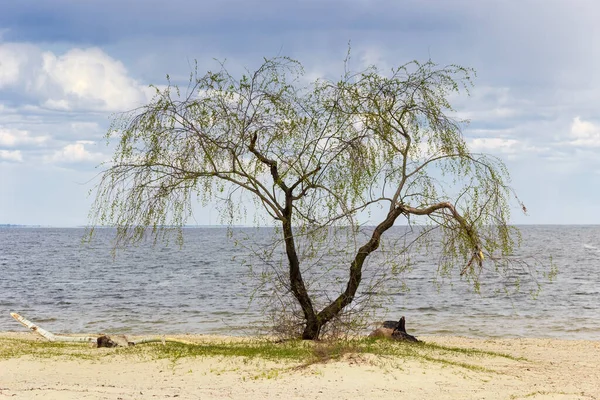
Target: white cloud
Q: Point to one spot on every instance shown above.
(83, 83)
(584, 133)
(85, 126)
(506, 147)
(12, 59)
(59, 105)
(41, 135)
(11, 155)
(18, 137)
(89, 78)
(491, 104)
(79, 79)
(75, 153)
(494, 145)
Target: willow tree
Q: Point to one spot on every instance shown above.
(313, 156)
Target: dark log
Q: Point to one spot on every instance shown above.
(115, 341)
(390, 324)
(395, 331)
(400, 332)
(105, 341)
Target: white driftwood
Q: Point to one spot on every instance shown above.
(115, 341)
(162, 340)
(48, 335)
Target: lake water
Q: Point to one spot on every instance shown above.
(51, 278)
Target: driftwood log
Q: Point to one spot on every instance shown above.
(50, 336)
(99, 340)
(394, 330)
(390, 329)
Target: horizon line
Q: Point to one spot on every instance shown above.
(250, 226)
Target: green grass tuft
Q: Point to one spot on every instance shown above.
(299, 353)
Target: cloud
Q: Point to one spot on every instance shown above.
(11, 155)
(494, 145)
(75, 153)
(17, 137)
(85, 126)
(584, 133)
(496, 105)
(79, 79)
(39, 134)
(88, 78)
(55, 104)
(11, 60)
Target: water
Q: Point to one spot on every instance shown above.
(48, 276)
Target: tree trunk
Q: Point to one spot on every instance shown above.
(314, 321)
(313, 327)
(344, 299)
(312, 330)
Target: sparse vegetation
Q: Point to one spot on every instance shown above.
(294, 354)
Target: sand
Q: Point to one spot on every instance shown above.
(550, 369)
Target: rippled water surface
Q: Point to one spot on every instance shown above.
(50, 277)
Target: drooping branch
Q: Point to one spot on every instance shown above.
(468, 228)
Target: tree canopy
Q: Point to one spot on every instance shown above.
(314, 156)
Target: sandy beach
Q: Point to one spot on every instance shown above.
(491, 369)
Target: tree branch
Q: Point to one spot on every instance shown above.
(473, 237)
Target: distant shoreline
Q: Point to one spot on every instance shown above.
(253, 226)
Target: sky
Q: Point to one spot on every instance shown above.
(67, 66)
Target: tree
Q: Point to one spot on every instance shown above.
(313, 156)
